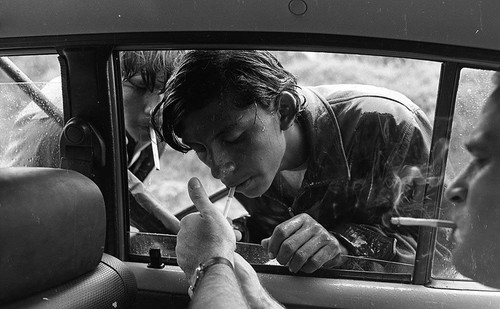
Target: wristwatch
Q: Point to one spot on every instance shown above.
(202, 268)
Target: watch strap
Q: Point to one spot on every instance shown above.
(202, 268)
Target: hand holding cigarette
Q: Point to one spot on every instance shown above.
(154, 146)
(203, 234)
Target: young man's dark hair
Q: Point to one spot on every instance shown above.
(255, 77)
(150, 64)
(145, 73)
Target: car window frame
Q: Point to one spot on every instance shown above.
(434, 52)
(447, 90)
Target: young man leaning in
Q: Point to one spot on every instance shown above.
(320, 170)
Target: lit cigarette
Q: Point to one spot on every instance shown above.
(154, 145)
(423, 222)
(229, 201)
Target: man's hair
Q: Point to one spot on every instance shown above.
(247, 77)
(150, 64)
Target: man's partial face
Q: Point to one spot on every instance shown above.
(138, 101)
(476, 193)
(242, 148)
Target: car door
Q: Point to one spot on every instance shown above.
(439, 54)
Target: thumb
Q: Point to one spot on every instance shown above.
(198, 196)
(265, 243)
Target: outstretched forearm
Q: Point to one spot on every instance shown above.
(218, 289)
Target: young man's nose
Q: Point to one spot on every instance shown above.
(151, 103)
(148, 108)
(219, 161)
(221, 171)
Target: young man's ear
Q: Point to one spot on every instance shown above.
(287, 109)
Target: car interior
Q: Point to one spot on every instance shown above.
(66, 238)
(50, 263)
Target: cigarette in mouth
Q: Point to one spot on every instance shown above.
(423, 222)
(154, 145)
(229, 201)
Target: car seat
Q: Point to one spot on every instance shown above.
(52, 232)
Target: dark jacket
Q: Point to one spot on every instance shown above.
(368, 148)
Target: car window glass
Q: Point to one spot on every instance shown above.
(30, 134)
(417, 80)
(473, 89)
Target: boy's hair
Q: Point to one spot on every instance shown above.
(150, 64)
(249, 76)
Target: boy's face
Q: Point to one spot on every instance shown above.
(242, 148)
(138, 102)
(476, 193)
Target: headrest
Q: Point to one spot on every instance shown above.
(52, 229)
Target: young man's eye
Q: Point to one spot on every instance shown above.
(136, 83)
(197, 148)
(234, 139)
(200, 152)
(479, 162)
(141, 86)
(160, 87)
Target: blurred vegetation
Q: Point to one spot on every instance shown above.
(474, 88)
(40, 69)
(416, 79)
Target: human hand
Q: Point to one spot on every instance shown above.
(304, 244)
(237, 233)
(254, 293)
(204, 234)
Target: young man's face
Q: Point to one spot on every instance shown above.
(243, 148)
(138, 102)
(476, 193)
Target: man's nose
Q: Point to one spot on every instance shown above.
(456, 193)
